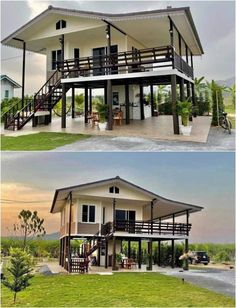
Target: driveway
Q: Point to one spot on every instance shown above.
(218, 140)
(217, 280)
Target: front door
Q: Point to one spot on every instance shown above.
(131, 218)
(98, 61)
(120, 220)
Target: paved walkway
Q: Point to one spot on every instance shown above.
(159, 128)
(218, 140)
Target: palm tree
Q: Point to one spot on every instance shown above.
(232, 91)
(199, 85)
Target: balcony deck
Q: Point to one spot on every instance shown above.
(136, 63)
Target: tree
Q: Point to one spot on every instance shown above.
(19, 271)
(232, 91)
(30, 225)
(217, 100)
(79, 103)
(199, 85)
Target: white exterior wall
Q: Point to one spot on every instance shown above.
(6, 85)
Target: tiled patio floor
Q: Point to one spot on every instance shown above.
(160, 128)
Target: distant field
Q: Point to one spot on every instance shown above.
(118, 290)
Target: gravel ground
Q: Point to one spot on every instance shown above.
(220, 281)
(218, 141)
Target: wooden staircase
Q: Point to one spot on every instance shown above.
(44, 100)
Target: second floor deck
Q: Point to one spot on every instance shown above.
(134, 61)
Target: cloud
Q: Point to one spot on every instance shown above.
(37, 7)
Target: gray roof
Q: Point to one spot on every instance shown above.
(14, 83)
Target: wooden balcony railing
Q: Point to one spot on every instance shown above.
(142, 60)
(155, 228)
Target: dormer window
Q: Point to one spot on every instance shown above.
(60, 24)
(114, 190)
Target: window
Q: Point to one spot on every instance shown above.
(88, 213)
(114, 189)
(60, 24)
(56, 56)
(6, 93)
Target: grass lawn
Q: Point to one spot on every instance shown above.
(39, 142)
(120, 289)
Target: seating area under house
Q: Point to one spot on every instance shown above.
(105, 213)
(120, 53)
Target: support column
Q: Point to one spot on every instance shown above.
(172, 253)
(193, 98)
(139, 253)
(181, 88)
(99, 256)
(65, 249)
(106, 255)
(127, 115)
(186, 250)
(73, 102)
(63, 107)
(69, 233)
(152, 100)
(159, 253)
(188, 90)
(151, 216)
(174, 109)
(150, 255)
(23, 76)
(90, 100)
(141, 102)
(109, 102)
(86, 104)
(60, 252)
(114, 255)
(129, 249)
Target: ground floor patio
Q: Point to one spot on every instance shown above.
(160, 128)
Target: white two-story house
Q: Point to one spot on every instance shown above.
(107, 212)
(120, 53)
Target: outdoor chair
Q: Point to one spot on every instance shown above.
(118, 117)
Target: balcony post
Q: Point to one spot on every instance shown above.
(23, 76)
(186, 50)
(174, 109)
(173, 217)
(86, 104)
(139, 253)
(114, 213)
(127, 115)
(63, 99)
(114, 255)
(187, 220)
(73, 102)
(152, 216)
(152, 100)
(109, 85)
(141, 102)
(172, 253)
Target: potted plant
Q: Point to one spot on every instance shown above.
(102, 110)
(184, 110)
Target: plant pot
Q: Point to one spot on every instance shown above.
(102, 126)
(185, 130)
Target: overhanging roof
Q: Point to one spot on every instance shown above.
(14, 83)
(147, 32)
(61, 195)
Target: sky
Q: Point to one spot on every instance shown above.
(214, 20)
(29, 179)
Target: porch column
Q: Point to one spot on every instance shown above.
(106, 254)
(159, 253)
(73, 102)
(63, 107)
(23, 76)
(174, 109)
(86, 104)
(105, 94)
(69, 233)
(186, 250)
(172, 253)
(173, 218)
(114, 254)
(129, 249)
(65, 250)
(150, 254)
(193, 94)
(152, 100)
(99, 255)
(188, 90)
(109, 102)
(181, 88)
(141, 102)
(151, 216)
(114, 211)
(187, 220)
(60, 254)
(139, 253)
(127, 115)
(90, 100)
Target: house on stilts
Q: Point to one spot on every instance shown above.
(104, 214)
(120, 53)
